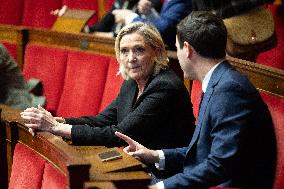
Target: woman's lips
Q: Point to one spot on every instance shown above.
(135, 68)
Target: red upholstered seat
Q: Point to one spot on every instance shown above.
(275, 56)
(112, 85)
(84, 84)
(11, 12)
(52, 178)
(37, 13)
(84, 4)
(49, 65)
(32, 171)
(276, 107)
(27, 169)
(12, 49)
(108, 4)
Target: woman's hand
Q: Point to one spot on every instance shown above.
(139, 151)
(39, 119)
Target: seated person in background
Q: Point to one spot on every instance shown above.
(153, 105)
(171, 13)
(225, 8)
(107, 27)
(15, 90)
(233, 144)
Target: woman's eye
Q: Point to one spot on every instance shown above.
(122, 51)
(140, 49)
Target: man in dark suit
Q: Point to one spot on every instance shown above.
(233, 144)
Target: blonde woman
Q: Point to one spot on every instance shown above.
(153, 105)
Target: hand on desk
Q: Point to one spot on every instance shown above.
(139, 151)
(40, 119)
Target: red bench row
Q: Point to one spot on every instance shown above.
(75, 83)
(36, 13)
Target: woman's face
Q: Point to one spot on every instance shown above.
(137, 57)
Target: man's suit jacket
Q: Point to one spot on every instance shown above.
(233, 143)
(171, 14)
(161, 117)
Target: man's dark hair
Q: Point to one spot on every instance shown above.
(205, 32)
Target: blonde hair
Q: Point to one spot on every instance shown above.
(152, 37)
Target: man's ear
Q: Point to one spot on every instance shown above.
(188, 49)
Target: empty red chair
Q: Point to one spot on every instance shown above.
(84, 84)
(11, 12)
(37, 13)
(52, 178)
(49, 65)
(276, 108)
(12, 49)
(112, 84)
(108, 4)
(27, 169)
(32, 171)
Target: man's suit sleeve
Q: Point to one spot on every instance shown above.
(229, 114)
(174, 159)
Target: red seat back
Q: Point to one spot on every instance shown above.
(49, 65)
(37, 13)
(11, 12)
(52, 178)
(32, 171)
(108, 4)
(84, 84)
(12, 49)
(276, 108)
(112, 85)
(27, 169)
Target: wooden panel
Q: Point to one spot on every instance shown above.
(263, 77)
(85, 42)
(15, 35)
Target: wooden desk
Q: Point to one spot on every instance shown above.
(79, 163)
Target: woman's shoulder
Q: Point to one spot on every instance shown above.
(168, 79)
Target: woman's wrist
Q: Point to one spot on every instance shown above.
(62, 129)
